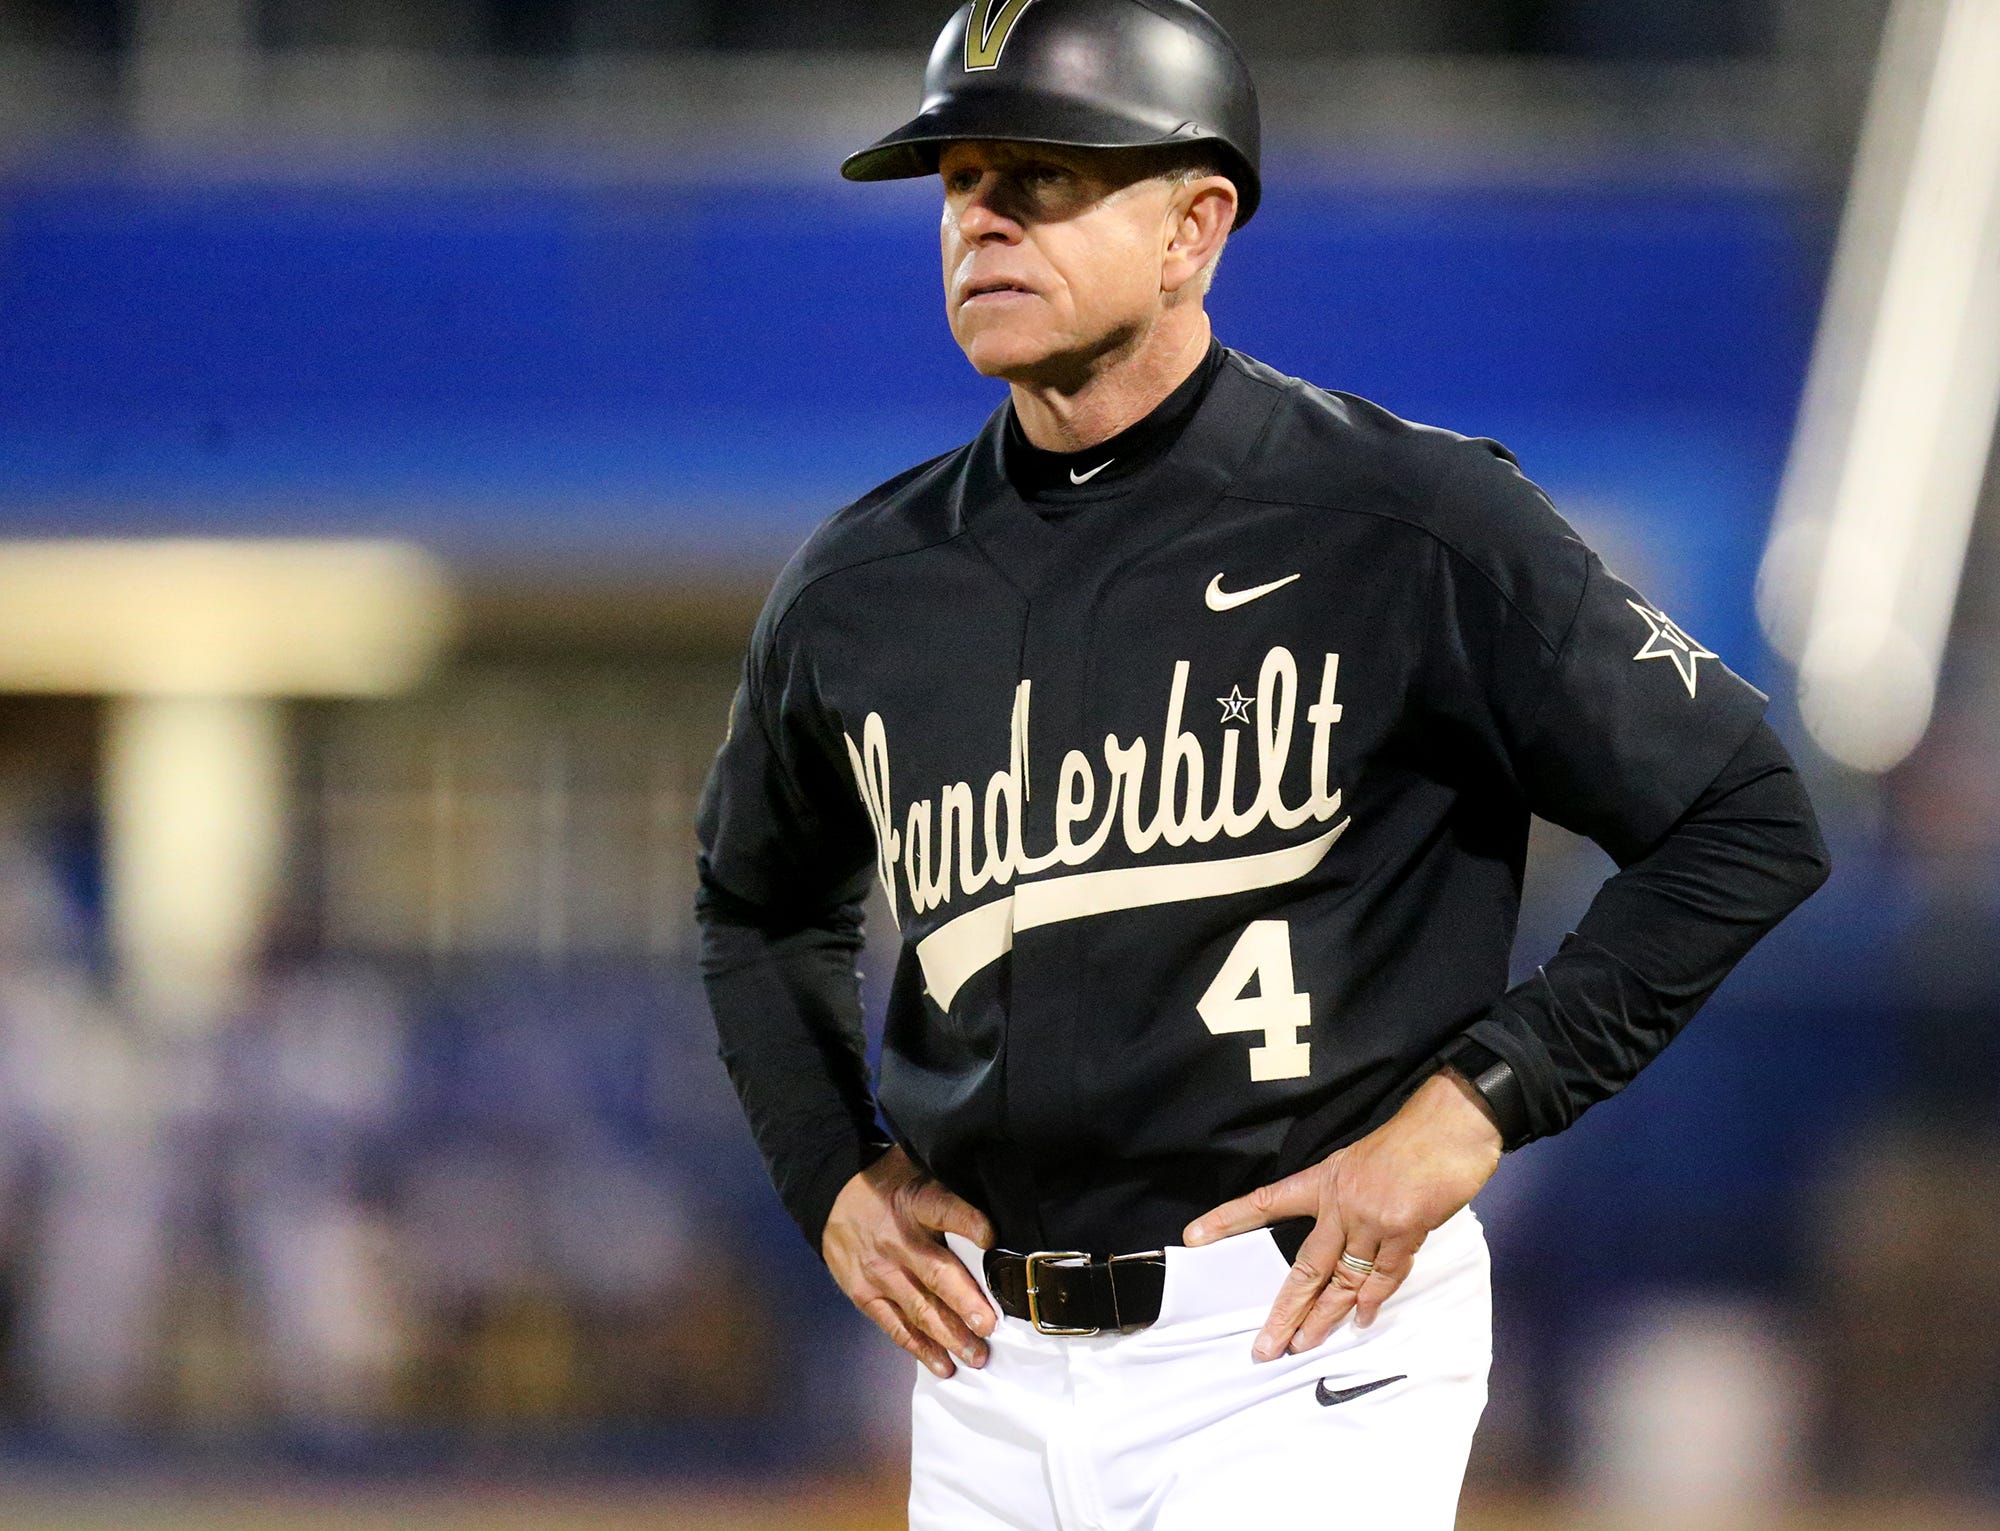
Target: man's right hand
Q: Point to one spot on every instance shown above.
(884, 1244)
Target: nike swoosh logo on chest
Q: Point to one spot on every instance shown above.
(1228, 600)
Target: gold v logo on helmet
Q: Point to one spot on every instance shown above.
(986, 30)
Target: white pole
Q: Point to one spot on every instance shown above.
(1869, 544)
(194, 795)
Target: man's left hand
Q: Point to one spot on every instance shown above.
(1376, 1199)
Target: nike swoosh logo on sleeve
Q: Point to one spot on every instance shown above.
(1228, 600)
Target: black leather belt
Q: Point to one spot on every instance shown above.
(1065, 1291)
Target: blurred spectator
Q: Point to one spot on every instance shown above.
(1912, 1254)
(312, 1088)
(1908, 1336)
(80, 1162)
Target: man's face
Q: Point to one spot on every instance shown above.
(1052, 256)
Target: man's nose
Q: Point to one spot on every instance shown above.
(985, 217)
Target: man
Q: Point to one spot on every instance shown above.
(1191, 718)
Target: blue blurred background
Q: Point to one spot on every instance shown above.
(440, 1182)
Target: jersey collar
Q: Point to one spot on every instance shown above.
(1171, 495)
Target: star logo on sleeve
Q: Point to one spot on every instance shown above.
(1665, 640)
(1235, 706)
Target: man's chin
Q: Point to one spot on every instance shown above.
(1012, 357)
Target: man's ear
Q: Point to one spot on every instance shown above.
(1200, 218)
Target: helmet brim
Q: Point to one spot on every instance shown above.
(914, 148)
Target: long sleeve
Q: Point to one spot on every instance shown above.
(1556, 683)
(783, 872)
(787, 1010)
(1659, 937)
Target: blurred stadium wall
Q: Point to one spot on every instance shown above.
(403, 405)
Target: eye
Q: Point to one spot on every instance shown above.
(961, 180)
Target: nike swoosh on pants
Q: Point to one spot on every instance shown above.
(1331, 1396)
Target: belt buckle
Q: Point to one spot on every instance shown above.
(1043, 1257)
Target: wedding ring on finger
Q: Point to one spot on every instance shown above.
(1355, 1263)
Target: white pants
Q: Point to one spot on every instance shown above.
(1174, 1428)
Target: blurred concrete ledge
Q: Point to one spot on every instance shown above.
(695, 114)
(587, 610)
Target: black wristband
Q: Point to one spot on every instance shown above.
(1498, 1085)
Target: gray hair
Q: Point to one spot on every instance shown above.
(1199, 166)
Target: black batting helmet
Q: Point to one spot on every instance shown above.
(1098, 74)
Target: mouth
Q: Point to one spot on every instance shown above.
(998, 287)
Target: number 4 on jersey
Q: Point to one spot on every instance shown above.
(1263, 955)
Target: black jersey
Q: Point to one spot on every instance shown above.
(1201, 811)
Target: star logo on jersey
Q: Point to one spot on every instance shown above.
(1236, 706)
(1666, 640)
